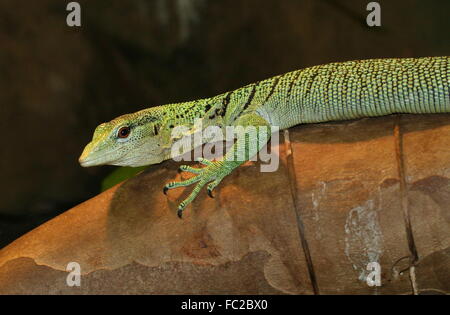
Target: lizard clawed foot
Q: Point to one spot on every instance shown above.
(211, 186)
(212, 173)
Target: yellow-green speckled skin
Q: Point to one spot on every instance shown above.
(335, 91)
(344, 90)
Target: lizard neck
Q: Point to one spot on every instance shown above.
(189, 114)
(196, 116)
(189, 120)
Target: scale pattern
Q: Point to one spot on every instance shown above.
(347, 90)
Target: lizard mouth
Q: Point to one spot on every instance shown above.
(86, 162)
(94, 157)
(91, 158)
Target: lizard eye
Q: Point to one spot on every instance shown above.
(123, 132)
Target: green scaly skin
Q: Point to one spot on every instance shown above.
(336, 91)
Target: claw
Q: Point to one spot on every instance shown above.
(204, 175)
(189, 169)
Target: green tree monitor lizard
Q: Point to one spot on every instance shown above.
(330, 92)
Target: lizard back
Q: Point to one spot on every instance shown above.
(348, 90)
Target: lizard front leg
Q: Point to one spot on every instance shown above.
(247, 144)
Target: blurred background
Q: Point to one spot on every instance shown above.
(57, 83)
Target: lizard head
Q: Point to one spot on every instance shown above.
(129, 140)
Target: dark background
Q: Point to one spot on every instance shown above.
(58, 83)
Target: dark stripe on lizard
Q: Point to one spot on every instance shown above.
(144, 120)
(225, 103)
(291, 85)
(272, 90)
(250, 98)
